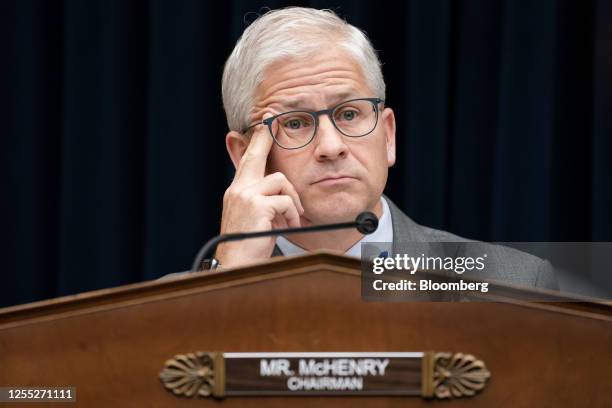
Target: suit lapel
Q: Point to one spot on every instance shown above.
(276, 251)
(405, 230)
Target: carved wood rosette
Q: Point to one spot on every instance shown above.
(452, 375)
(198, 374)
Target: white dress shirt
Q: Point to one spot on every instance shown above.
(384, 233)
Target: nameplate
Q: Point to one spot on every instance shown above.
(426, 374)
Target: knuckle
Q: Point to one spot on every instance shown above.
(244, 196)
(279, 176)
(229, 194)
(288, 201)
(249, 156)
(256, 201)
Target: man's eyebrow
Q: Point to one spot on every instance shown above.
(341, 97)
(300, 104)
(293, 104)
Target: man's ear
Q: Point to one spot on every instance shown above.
(388, 121)
(236, 145)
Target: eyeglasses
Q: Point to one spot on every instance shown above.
(296, 129)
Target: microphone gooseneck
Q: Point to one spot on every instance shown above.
(366, 223)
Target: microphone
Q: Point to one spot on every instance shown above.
(366, 223)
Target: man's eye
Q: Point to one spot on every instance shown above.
(348, 115)
(296, 124)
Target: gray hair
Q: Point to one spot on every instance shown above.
(289, 32)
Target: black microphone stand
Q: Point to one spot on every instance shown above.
(366, 223)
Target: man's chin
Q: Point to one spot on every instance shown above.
(339, 207)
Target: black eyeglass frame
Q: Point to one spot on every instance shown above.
(329, 112)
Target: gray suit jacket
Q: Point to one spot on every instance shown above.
(503, 263)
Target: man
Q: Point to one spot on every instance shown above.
(312, 140)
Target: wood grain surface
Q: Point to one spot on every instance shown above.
(112, 344)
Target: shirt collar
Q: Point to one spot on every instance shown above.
(384, 233)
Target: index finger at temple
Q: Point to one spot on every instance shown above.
(252, 165)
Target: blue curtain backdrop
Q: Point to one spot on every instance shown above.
(112, 155)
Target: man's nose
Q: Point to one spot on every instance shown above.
(330, 144)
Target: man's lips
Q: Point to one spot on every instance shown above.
(340, 178)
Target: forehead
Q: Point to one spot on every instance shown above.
(323, 78)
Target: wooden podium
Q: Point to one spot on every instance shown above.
(113, 344)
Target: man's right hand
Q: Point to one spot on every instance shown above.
(256, 202)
